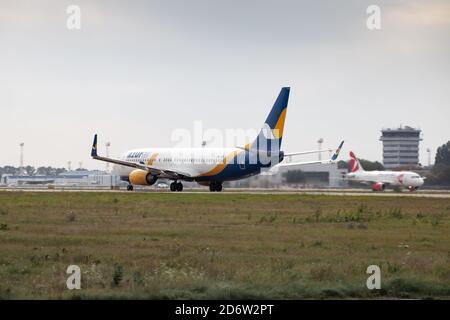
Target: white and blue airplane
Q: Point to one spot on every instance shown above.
(211, 166)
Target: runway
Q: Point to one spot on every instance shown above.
(331, 192)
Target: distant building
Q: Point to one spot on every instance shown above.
(315, 176)
(66, 179)
(401, 147)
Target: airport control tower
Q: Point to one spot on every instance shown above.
(401, 147)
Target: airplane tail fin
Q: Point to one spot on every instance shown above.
(336, 153)
(271, 134)
(354, 164)
(94, 147)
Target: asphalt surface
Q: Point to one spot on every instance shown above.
(331, 192)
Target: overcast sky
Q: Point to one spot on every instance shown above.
(138, 70)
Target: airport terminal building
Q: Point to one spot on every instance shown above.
(78, 178)
(401, 147)
(314, 176)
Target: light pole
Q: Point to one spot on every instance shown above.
(108, 144)
(319, 142)
(22, 168)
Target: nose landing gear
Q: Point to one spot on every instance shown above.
(130, 187)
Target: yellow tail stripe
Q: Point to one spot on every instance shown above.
(279, 127)
(219, 168)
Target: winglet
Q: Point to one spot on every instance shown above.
(336, 153)
(94, 147)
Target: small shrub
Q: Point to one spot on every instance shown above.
(137, 279)
(270, 219)
(393, 267)
(317, 243)
(281, 265)
(322, 273)
(362, 225)
(71, 216)
(36, 260)
(3, 226)
(361, 208)
(117, 275)
(331, 293)
(436, 219)
(5, 293)
(317, 214)
(406, 288)
(396, 213)
(356, 216)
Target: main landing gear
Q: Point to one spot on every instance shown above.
(130, 187)
(215, 186)
(176, 186)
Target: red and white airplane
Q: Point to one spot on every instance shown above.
(379, 179)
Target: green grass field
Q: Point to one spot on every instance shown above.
(214, 246)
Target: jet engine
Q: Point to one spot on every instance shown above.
(142, 178)
(379, 186)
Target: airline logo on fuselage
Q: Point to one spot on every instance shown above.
(152, 159)
(137, 155)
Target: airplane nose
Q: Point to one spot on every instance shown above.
(421, 181)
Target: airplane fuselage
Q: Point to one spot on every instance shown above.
(405, 179)
(197, 164)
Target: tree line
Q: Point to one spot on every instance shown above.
(440, 174)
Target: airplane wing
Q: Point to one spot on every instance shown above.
(317, 151)
(307, 152)
(140, 165)
(333, 158)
